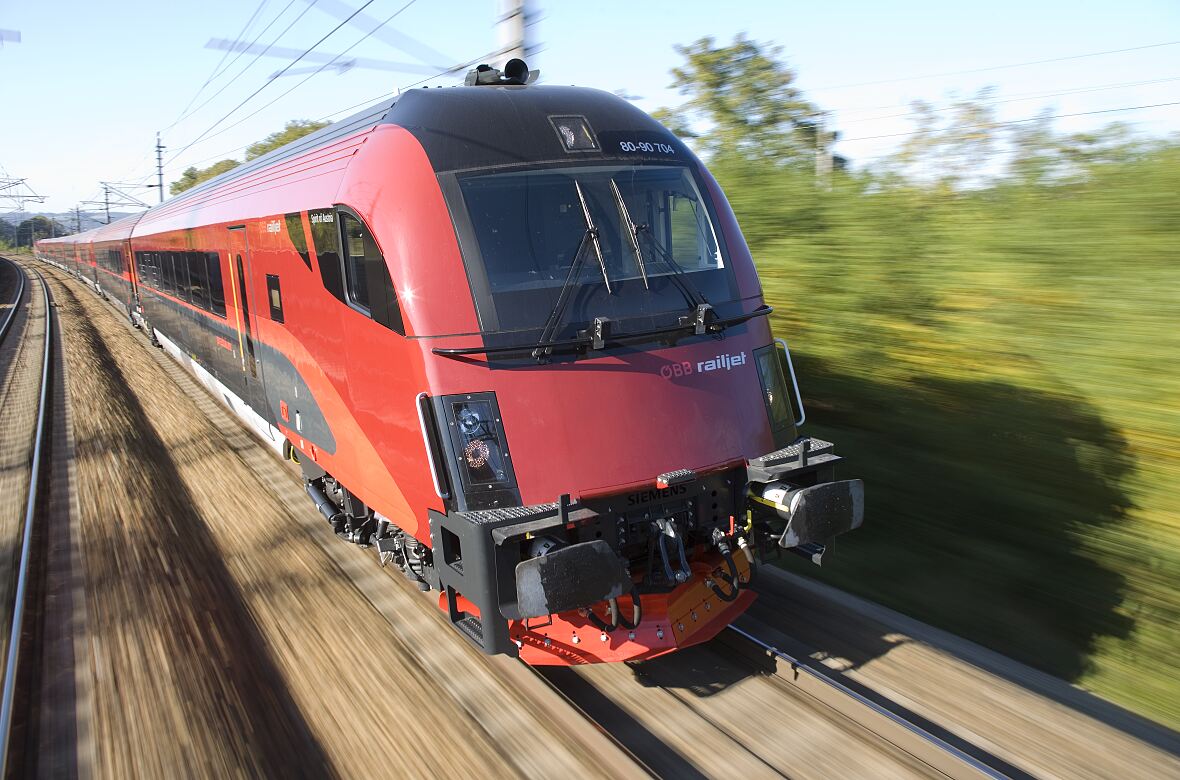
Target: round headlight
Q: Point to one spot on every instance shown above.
(469, 421)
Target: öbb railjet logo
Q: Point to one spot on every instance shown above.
(722, 362)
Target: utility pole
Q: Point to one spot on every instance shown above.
(160, 166)
(77, 219)
(823, 155)
(106, 201)
(512, 28)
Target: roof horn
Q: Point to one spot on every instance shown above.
(515, 72)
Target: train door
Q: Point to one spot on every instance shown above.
(246, 319)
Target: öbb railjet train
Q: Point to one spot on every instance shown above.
(515, 340)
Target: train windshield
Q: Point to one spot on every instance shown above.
(635, 244)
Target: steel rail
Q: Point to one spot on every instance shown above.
(22, 582)
(20, 291)
(902, 733)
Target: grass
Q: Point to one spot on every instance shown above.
(1000, 367)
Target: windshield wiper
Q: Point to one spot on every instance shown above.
(554, 319)
(592, 231)
(542, 349)
(702, 309)
(590, 237)
(632, 231)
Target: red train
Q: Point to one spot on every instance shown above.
(514, 338)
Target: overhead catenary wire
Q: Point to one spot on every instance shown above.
(257, 56)
(995, 67)
(314, 73)
(255, 93)
(1039, 118)
(1019, 98)
(216, 68)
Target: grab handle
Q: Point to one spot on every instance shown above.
(430, 454)
(794, 382)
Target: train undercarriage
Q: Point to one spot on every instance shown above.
(625, 576)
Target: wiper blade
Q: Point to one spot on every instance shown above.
(693, 296)
(554, 318)
(714, 326)
(592, 231)
(589, 237)
(632, 231)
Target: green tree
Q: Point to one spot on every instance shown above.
(194, 176)
(743, 99)
(953, 146)
(293, 131)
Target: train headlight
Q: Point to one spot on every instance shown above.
(478, 451)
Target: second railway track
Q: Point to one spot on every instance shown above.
(27, 385)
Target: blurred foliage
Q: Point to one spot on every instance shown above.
(987, 326)
(194, 176)
(748, 102)
(293, 131)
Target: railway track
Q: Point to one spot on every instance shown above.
(21, 671)
(925, 741)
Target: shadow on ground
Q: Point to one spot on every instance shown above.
(980, 498)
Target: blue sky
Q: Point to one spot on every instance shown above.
(90, 83)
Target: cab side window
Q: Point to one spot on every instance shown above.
(366, 276)
(355, 269)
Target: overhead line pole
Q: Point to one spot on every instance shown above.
(160, 166)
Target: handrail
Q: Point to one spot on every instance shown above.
(794, 383)
(430, 455)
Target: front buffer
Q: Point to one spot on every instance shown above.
(635, 575)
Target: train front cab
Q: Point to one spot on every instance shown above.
(613, 445)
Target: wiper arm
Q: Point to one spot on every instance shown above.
(632, 231)
(702, 309)
(592, 231)
(694, 297)
(554, 318)
(585, 342)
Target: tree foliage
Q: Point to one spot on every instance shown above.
(985, 323)
(294, 130)
(194, 176)
(744, 102)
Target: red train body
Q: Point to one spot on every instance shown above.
(516, 341)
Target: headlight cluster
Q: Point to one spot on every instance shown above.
(478, 461)
(479, 441)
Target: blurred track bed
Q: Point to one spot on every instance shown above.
(224, 639)
(1033, 723)
(709, 711)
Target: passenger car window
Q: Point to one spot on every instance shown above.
(367, 276)
(274, 297)
(216, 286)
(198, 276)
